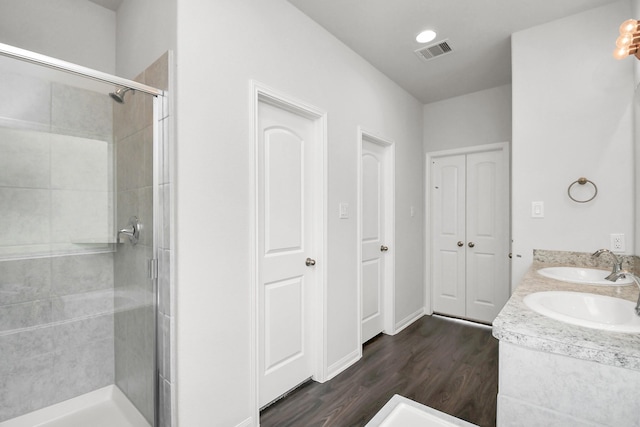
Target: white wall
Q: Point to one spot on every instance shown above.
(53, 28)
(572, 111)
(221, 46)
(145, 30)
(477, 118)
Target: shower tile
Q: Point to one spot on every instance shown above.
(164, 281)
(164, 343)
(24, 280)
(145, 214)
(23, 345)
(165, 229)
(132, 116)
(78, 334)
(25, 315)
(23, 125)
(121, 357)
(76, 111)
(147, 153)
(24, 158)
(82, 305)
(164, 152)
(130, 162)
(81, 370)
(80, 216)
(141, 330)
(79, 163)
(127, 206)
(22, 251)
(82, 273)
(30, 98)
(161, 220)
(131, 273)
(157, 74)
(140, 383)
(26, 385)
(26, 216)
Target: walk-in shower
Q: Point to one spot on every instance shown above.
(79, 179)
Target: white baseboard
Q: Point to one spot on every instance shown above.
(409, 320)
(344, 363)
(246, 423)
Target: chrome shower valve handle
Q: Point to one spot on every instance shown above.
(132, 230)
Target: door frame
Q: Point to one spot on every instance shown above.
(506, 158)
(388, 294)
(260, 92)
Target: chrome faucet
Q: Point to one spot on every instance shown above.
(622, 274)
(617, 264)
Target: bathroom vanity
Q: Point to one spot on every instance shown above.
(552, 373)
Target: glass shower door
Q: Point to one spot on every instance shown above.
(77, 298)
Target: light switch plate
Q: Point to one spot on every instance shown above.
(344, 211)
(537, 209)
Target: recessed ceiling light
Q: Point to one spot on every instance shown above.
(426, 36)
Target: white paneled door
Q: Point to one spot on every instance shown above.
(448, 207)
(286, 264)
(487, 234)
(374, 237)
(470, 234)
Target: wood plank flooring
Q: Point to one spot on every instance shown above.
(447, 365)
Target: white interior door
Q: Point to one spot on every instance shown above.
(448, 206)
(487, 235)
(285, 242)
(374, 246)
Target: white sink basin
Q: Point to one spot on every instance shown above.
(588, 276)
(585, 309)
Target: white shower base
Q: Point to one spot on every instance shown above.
(106, 407)
(402, 412)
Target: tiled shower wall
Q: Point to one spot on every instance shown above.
(56, 287)
(134, 327)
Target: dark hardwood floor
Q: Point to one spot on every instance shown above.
(447, 365)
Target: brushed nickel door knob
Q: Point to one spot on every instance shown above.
(310, 262)
(384, 248)
(471, 244)
(460, 244)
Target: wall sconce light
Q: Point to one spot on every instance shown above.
(629, 41)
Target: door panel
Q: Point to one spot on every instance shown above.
(487, 260)
(283, 322)
(448, 228)
(373, 235)
(284, 242)
(283, 198)
(372, 292)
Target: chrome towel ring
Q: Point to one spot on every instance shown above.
(582, 181)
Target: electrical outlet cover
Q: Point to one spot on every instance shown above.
(617, 243)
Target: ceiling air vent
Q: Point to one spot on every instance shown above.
(433, 51)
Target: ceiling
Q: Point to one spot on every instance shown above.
(383, 32)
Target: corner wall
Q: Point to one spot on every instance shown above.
(572, 117)
(145, 30)
(477, 118)
(53, 28)
(222, 45)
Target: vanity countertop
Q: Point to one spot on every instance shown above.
(517, 324)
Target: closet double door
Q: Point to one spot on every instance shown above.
(470, 233)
